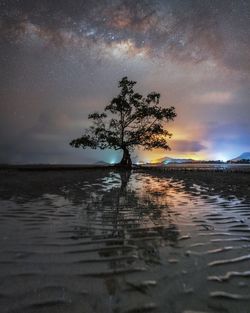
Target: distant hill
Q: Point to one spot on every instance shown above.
(102, 163)
(167, 160)
(243, 156)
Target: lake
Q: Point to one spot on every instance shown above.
(110, 241)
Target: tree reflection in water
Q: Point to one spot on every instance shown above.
(118, 220)
(130, 218)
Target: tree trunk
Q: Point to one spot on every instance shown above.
(126, 159)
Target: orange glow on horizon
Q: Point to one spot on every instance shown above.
(153, 156)
(180, 144)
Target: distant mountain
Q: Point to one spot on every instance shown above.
(243, 156)
(167, 160)
(102, 163)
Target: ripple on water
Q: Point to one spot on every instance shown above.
(227, 295)
(228, 275)
(119, 242)
(229, 261)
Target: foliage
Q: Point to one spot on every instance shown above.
(129, 120)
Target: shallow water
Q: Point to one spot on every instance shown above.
(234, 167)
(100, 241)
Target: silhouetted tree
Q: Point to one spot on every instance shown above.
(129, 120)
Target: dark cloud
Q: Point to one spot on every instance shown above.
(186, 146)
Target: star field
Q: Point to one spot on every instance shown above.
(61, 60)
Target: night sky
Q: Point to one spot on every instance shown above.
(61, 60)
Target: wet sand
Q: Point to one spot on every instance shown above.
(100, 240)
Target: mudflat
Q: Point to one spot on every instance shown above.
(103, 240)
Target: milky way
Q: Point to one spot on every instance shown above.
(61, 60)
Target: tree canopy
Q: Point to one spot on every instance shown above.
(129, 120)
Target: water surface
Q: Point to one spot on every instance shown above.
(103, 241)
